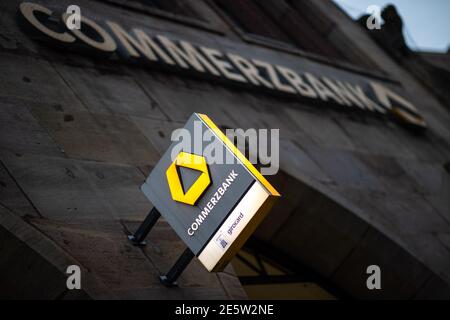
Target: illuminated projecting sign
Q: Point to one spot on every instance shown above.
(213, 206)
(158, 50)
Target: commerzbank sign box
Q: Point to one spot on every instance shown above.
(213, 207)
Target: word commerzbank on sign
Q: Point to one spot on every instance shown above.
(111, 37)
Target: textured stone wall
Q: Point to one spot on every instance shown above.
(78, 135)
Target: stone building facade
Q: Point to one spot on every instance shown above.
(85, 115)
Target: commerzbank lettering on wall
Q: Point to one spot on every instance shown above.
(159, 50)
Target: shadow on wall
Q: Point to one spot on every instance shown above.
(330, 243)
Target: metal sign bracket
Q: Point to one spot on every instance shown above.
(138, 239)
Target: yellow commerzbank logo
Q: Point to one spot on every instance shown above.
(191, 161)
